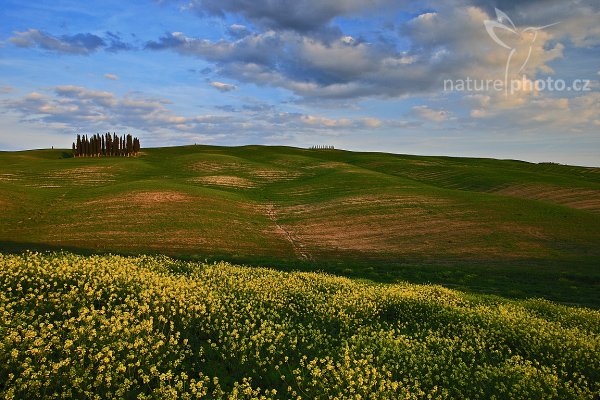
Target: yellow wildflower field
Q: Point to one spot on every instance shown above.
(153, 327)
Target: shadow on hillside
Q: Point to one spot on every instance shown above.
(527, 279)
(8, 247)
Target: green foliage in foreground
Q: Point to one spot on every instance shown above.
(153, 327)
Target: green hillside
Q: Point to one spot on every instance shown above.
(505, 227)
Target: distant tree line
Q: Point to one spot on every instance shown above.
(106, 145)
(320, 147)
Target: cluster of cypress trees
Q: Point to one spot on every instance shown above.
(321, 147)
(106, 145)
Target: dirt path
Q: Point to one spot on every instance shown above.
(298, 248)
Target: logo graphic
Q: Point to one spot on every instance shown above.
(501, 23)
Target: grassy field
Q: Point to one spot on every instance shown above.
(153, 327)
(510, 228)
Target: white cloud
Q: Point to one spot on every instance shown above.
(431, 114)
(537, 113)
(326, 122)
(223, 87)
(372, 122)
(112, 77)
(238, 31)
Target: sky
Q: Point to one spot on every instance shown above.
(476, 78)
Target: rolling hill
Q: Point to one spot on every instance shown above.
(504, 227)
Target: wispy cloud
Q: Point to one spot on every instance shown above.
(116, 43)
(238, 31)
(431, 114)
(223, 87)
(79, 108)
(81, 43)
(545, 115)
(78, 44)
(112, 77)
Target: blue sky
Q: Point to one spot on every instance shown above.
(355, 74)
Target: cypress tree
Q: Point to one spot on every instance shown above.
(129, 145)
(99, 145)
(78, 145)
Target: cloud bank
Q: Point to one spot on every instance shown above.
(297, 45)
(78, 44)
(75, 108)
